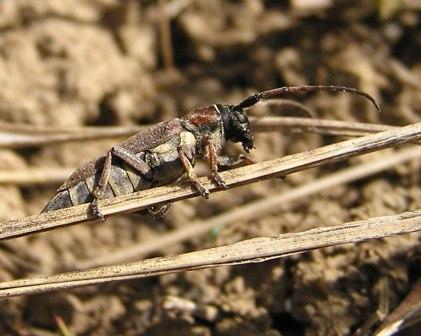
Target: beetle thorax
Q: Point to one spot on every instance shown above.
(204, 123)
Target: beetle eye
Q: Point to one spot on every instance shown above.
(241, 117)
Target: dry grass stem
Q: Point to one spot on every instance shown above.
(34, 176)
(50, 175)
(383, 302)
(18, 135)
(174, 8)
(235, 177)
(253, 210)
(248, 251)
(165, 37)
(16, 140)
(48, 135)
(404, 315)
(104, 131)
(321, 126)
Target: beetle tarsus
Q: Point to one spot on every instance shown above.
(192, 177)
(203, 191)
(96, 210)
(230, 161)
(158, 211)
(212, 158)
(218, 179)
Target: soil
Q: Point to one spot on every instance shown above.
(100, 62)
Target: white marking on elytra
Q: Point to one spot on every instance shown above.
(164, 148)
(187, 139)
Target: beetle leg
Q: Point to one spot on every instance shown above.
(132, 160)
(102, 184)
(230, 161)
(212, 157)
(159, 211)
(155, 212)
(128, 158)
(192, 175)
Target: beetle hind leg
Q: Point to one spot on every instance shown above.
(99, 190)
(96, 211)
(128, 158)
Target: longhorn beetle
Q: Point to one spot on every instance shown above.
(164, 152)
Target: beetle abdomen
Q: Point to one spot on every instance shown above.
(123, 180)
(60, 201)
(163, 166)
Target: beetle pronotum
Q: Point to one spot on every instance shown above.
(164, 152)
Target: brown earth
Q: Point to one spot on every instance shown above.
(99, 62)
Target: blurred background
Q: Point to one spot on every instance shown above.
(75, 63)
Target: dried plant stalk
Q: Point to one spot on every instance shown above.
(18, 136)
(165, 37)
(31, 176)
(94, 130)
(248, 251)
(12, 140)
(321, 126)
(50, 175)
(235, 177)
(251, 211)
(404, 318)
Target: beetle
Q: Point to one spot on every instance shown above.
(163, 153)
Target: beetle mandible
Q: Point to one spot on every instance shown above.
(163, 153)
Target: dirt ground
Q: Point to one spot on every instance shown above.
(107, 62)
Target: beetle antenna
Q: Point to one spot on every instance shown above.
(288, 90)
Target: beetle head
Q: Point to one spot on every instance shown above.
(236, 125)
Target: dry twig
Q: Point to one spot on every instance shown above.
(17, 140)
(18, 135)
(251, 211)
(320, 126)
(54, 175)
(32, 176)
(105, 131)
(165, 38)
(235, 177)
(405, 319)
(248, 251)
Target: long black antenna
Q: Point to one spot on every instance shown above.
(289, 90)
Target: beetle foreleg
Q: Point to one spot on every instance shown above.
(192, 175)
(230, 161)
(212, 157)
